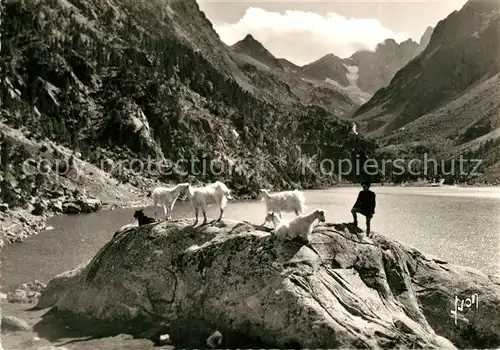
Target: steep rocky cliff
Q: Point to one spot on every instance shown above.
(368, 70)
(447, 98)
(291, 84)
(425, 39)
(146, 90)
(340, 290)
(377, 68)
(138, 79)
(323, 81)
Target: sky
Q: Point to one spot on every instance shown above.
(303, 31)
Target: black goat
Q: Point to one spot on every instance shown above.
(142, 218)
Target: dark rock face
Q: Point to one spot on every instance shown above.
(165, 89)
(81, 205)
(425, 39)
(329, 66)
(26, 293)
(478, 325)
(39, 207)
(377, 68)
(446, 99)
(89, 205)
(456, 58)
(71, 208)
(255, 49)
(338, 291)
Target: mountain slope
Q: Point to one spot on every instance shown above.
(251, 47)
(457, 58)
(125, 81)
(287, 65)
(327, 82)
(425, 39)
(367, 70)
(328, 67)
(377, 68)
(449, 95)
(287, 83)
(339, 85)
(188, 23)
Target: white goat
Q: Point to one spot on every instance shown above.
(286, 201)
(167, 196)
(299, 227)
(214, 193)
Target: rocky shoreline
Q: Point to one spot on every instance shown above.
(43, 179)
(19, 224)
(23, 224)
(50, 179)
(26, 293)
(40, 179)
(340, 290)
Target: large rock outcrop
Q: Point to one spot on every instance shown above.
(337, 291)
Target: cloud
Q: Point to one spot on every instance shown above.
(303, 37)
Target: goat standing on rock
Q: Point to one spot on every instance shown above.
(167, 196)
(299, 227)
(286, 201)
(201, 197)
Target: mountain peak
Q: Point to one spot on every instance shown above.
(460, 64)
(250, 39)
(426, 37)
(328, 66)
(329, 57)
(253, 48)
(409, 40)
(390, 41)
(378, 67)
(386, 44)
(248, 42)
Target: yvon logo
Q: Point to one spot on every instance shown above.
(468, 303)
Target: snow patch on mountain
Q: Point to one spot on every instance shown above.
(354, 91)
(353, 75)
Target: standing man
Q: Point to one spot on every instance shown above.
(365, 205)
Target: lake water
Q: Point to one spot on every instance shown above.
(460, 225)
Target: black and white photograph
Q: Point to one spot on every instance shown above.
(249, 174)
